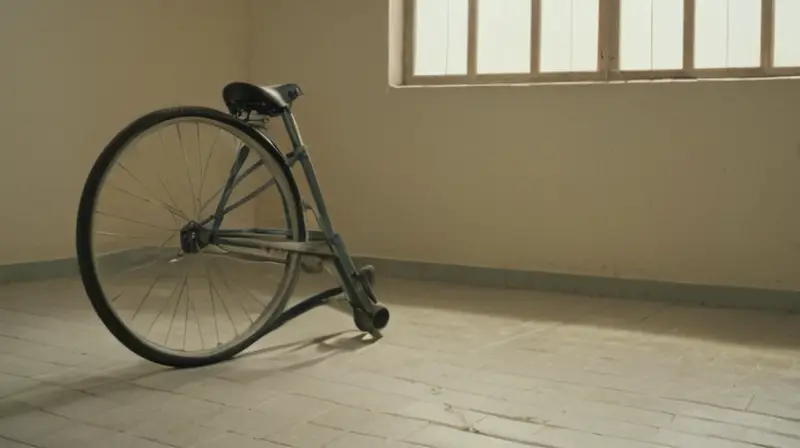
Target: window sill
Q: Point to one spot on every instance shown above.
(596, 82)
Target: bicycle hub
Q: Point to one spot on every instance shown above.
(194, 238)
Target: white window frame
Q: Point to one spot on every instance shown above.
(607, 52)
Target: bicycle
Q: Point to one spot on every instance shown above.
(163, 271)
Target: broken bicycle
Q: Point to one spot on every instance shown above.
(192, 278)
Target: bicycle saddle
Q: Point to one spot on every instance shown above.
(266, 100)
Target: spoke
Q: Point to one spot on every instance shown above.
(175, 310)
(197, 319)
(158, 173)
(173, 211)
(117, 297)
(186, 321)
(224, 305)
(169, 195)
(186, 316)
(239, 180)
(189, 303)
(252, 296)
(250, 196)
(138, 268)
(188, 173)
(163, 307)
(136, 221)
(199, 156)
(242, 201)
(122, 235)
(166, 241)
(246, 313)
(204, 170)
(158, 201)
(151, 263)
(144, 299)
(213, 309)
(241, 156)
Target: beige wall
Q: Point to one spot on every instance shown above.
(73, 73)
(693, 182)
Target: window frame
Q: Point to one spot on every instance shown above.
(607, 52)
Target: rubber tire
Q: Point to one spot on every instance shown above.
(84, 232)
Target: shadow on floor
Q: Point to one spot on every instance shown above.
(47, 396)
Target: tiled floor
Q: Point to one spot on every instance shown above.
(459, 367)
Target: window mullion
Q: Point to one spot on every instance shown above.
(472, 40)
(688, 34)
(536, 36)
(767, 34)
(409, 40)
(608, 39)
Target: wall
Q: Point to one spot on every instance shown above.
(73, 74)
(690, 182)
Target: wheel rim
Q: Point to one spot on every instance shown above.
(181, 302)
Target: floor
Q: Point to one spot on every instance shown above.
(458, 367)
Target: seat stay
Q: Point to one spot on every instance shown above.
(241, 156)
(225, 209)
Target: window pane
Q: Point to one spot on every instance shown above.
(727, 33)
(744, 43)
(635, 35)
(787, 33)
(569, 35)
(440, 37)
(667, 34)
(556, 36)
(711, 33)
(504, 36)
(651, 34)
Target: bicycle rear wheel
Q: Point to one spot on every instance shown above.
(162, 292)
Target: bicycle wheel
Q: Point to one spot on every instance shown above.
(162, 291)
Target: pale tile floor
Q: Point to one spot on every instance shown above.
(459, 367)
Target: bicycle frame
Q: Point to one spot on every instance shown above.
(325, 244)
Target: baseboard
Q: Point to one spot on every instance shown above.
(38, 270)
(697, 294)
(68, 267)
(720, 296)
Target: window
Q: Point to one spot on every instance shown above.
(568, 35)
(490, 41)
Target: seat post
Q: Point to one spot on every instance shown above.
(292, 129)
